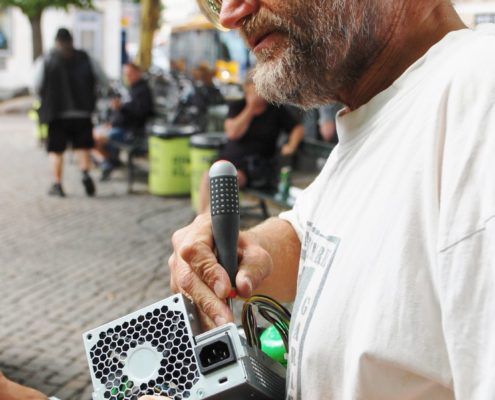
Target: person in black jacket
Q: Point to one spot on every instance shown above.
(66, 80)
(127, 120)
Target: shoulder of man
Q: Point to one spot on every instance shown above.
(475, 60)
(52, 55)
(82, 54)
(469, 144)
(141, 88)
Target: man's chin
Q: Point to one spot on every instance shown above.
(269, 81)
(289, 80)
(276, 83)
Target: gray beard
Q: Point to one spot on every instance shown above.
(290, 79)
(321, 62)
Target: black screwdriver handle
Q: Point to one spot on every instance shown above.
(225, 217)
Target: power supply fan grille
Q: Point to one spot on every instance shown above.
(166, 332)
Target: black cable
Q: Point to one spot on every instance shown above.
(272, 311)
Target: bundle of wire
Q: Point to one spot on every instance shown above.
(272, 311)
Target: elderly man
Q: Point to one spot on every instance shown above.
(389, 254)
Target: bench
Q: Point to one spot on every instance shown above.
(305, 168)
(138, 147)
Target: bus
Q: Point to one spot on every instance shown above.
(197, 42)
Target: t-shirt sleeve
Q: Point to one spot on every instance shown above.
(465, 278)
(467, 297)
(235, 108)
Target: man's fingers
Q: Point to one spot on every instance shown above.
(196, 273)
(171, 264)
(255, 266)
(203, 262)
(190, 283)
(206, 322)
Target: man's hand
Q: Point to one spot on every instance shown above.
(10, 390)
(196, 273)
(295, 137)
(288, 149)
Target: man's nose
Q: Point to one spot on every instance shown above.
(234, 11)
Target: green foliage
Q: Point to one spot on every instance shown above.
(33, 8)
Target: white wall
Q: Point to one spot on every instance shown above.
(19, 64)
(111, 33)
(179, 10)
(467, 9)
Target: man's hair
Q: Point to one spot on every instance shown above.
(63, 36)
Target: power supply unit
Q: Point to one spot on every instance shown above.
(159, 350)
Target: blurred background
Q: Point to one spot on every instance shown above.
(69, 265)
(108, 28)
(153, 32)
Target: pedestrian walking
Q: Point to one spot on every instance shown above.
(66, 80)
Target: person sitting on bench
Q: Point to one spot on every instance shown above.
(253, 127)
(128, 119)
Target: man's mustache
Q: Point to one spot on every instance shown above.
(263, 22)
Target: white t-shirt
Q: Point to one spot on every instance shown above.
(396, 292)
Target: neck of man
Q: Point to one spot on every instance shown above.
(417, 27)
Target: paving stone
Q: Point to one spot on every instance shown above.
(69, 265)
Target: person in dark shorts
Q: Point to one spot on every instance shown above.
(253, 127)
(66, 80)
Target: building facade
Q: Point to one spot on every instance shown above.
(475, 12)
(99, 32)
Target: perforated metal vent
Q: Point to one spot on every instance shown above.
(266, 377)
(224, 196)
(149, 354)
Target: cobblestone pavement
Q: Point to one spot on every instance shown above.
(68, 265)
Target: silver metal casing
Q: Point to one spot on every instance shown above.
(160, 351)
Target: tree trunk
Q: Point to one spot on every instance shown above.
(36, 35)
(150, 16)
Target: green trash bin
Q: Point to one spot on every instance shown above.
(169, 159)
(204, 151)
